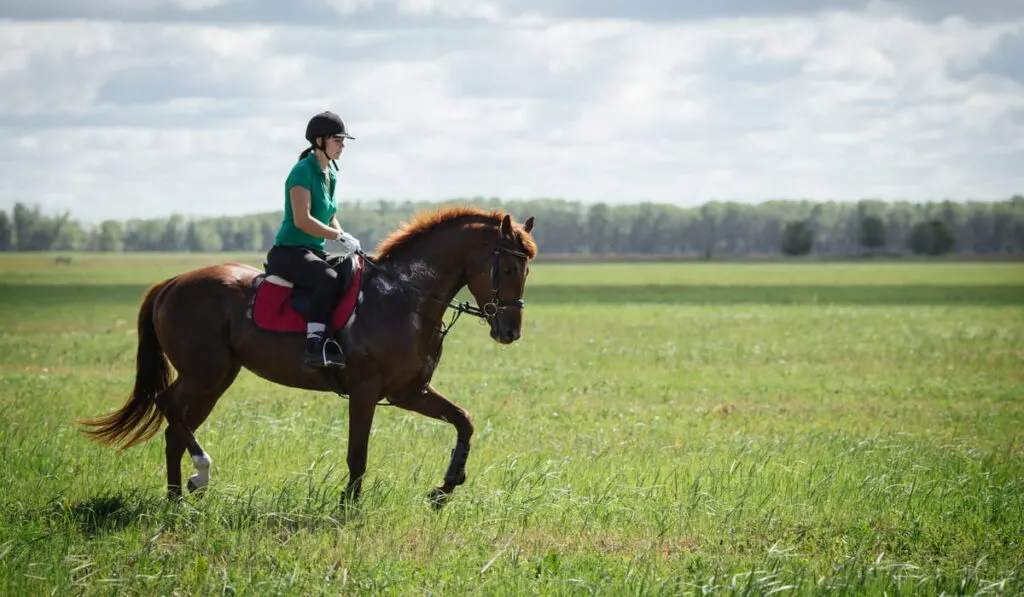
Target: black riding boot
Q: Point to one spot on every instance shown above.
(323, 352)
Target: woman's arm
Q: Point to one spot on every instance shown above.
(300, 201)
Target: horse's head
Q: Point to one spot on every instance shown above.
(497, 278)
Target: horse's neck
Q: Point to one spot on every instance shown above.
(436, 270)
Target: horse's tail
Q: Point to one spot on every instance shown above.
(138, 420)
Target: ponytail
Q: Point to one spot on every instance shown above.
(311, 149)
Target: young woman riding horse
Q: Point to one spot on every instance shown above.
(198, 322)
(310, 217)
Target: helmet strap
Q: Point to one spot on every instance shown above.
(317, 144)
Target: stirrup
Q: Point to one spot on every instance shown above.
(319, 359)
(325, 361)
(340, 361)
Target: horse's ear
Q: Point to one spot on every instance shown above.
(506, 226)
(528, 226)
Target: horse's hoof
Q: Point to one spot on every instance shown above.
(350, 496)
(196, 489)
(438, 497)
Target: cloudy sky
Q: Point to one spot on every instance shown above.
(125, 108)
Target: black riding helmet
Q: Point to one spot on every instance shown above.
(326, 124)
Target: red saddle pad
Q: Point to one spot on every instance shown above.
(272, 308)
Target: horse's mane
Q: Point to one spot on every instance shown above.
(423, 222)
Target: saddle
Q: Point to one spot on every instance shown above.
(277, 305)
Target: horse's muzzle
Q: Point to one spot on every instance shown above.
(505, 332)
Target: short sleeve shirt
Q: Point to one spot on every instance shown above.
(306, 173)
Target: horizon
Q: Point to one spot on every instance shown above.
(197, 108)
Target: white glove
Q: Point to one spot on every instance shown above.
(349, 242)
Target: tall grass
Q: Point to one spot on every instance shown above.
(660, 429)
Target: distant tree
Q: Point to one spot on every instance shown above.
(34, 230)
(6, 232)
(109, 237)
(248, 235)
(144, 235)
(643, 237)
(979, 229)
(23, 219)
(1018, 235)
(797, 238)
(710, 218)
(174, 234)
(734, 228)
(70, 236)
(932, 237)
(872, 235)
(944, 238)
(203, 237)
(598, 229)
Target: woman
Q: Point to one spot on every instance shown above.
(309, 218)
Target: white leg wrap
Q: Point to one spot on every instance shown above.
(202, 476)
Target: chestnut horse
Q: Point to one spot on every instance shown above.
(198, 323)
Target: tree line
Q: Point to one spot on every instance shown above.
(718, 228)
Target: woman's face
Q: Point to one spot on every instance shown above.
(333, 146)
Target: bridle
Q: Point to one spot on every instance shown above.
(492, 307)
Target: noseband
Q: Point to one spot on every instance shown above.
(493, 306)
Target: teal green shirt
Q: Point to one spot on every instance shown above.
(306, 173)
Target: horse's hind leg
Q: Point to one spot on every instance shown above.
(432, 404)
(185, 405)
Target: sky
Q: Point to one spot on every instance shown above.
(145, 108)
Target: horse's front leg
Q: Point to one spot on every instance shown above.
(362, 404)
(432, 404)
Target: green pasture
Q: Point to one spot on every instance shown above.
(660, 429)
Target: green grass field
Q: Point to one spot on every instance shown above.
(661, 429)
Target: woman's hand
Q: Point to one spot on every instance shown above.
(349, 242)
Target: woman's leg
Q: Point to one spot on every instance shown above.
(308, 268)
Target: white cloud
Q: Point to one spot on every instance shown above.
(452, 8)
(149, 118)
